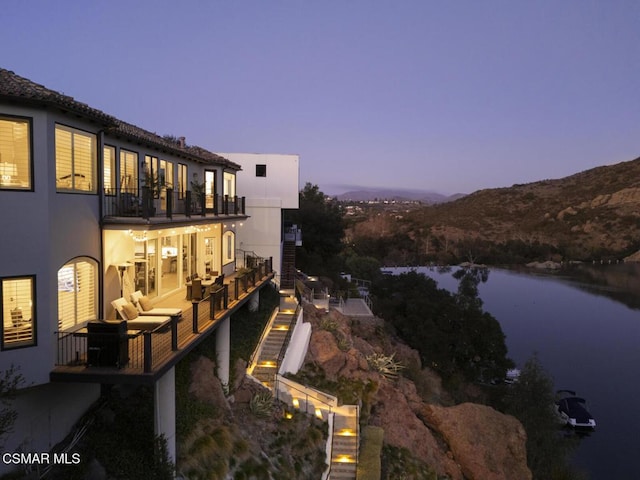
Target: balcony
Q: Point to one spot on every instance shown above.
(142, 356)
(166, 205)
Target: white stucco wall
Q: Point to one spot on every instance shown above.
(281, 181)
(266, 197)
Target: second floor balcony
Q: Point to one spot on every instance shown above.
(144, 203)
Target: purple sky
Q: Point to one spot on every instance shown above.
(448, 96)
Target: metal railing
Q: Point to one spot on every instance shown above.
(144, 350)
(145, 203)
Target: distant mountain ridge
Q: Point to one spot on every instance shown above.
(398, 195)
(591, 215)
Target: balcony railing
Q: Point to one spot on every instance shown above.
(135, 352)
(144, 203)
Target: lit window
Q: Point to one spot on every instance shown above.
(15, 154)
(75, 160)
(261, 170)
(18, 319)
(109, 170)
(77, 292)
(128, 172)
(182, 180)
(230, 184)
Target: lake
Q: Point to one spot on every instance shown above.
(584, 325)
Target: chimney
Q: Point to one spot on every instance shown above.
(182, 142)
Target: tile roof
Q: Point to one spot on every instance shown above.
(17, 88)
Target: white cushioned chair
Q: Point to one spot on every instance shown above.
(144, 307)
(129, 313)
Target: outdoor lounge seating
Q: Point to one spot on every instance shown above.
(129, 312)
(145, 308)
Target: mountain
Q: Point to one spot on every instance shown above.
(398, 195)
(591, 215)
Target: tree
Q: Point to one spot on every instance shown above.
(531, 400)
(322, 232)
(10, 382)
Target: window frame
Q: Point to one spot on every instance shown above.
(73, 263)
(135, 174)
(94, 159)
(30, 176)
(34, 321)
(183, 177)
(261, 170)
(113, 177)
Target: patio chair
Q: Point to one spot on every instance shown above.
(129, 312)
(145, 307)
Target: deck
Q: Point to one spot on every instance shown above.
(143, 356)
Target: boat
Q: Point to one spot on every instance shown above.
(572, 410)
(512, 376)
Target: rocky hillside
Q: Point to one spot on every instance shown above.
(467, 441)
(591, 213)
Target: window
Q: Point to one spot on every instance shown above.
(182, 180)
(75, 160)
(128, 172)
(109, 176)
(261, 170)
(151, 177)
(228, 246)
(77, 292)
(165, 174)
(229, 184)
(18, 319)
(15, 154)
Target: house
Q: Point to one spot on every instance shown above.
(272, 185)
(94, 209)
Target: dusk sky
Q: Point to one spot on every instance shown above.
(446, 96)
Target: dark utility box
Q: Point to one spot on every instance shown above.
(107, 344)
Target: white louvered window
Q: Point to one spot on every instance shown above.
(75, 160)
(15, 154)
(18, 318)
(109, 173)
(77, 293)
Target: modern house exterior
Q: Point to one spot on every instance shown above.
(272, 185)
(94, 209)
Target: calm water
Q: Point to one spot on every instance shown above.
(585, 328)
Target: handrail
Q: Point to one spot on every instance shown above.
(285, 343)
(265, 331)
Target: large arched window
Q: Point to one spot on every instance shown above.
(77, 292)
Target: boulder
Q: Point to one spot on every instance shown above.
(487, 444)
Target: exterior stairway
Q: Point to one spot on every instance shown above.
(344, 450)
(268, 359)
(288, 274)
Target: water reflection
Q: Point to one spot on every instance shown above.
(583, 323)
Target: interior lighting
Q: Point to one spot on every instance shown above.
(296, 403)
(318, 413)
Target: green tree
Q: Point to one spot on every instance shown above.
(531, 400)
(454, 337)
(322, 232)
